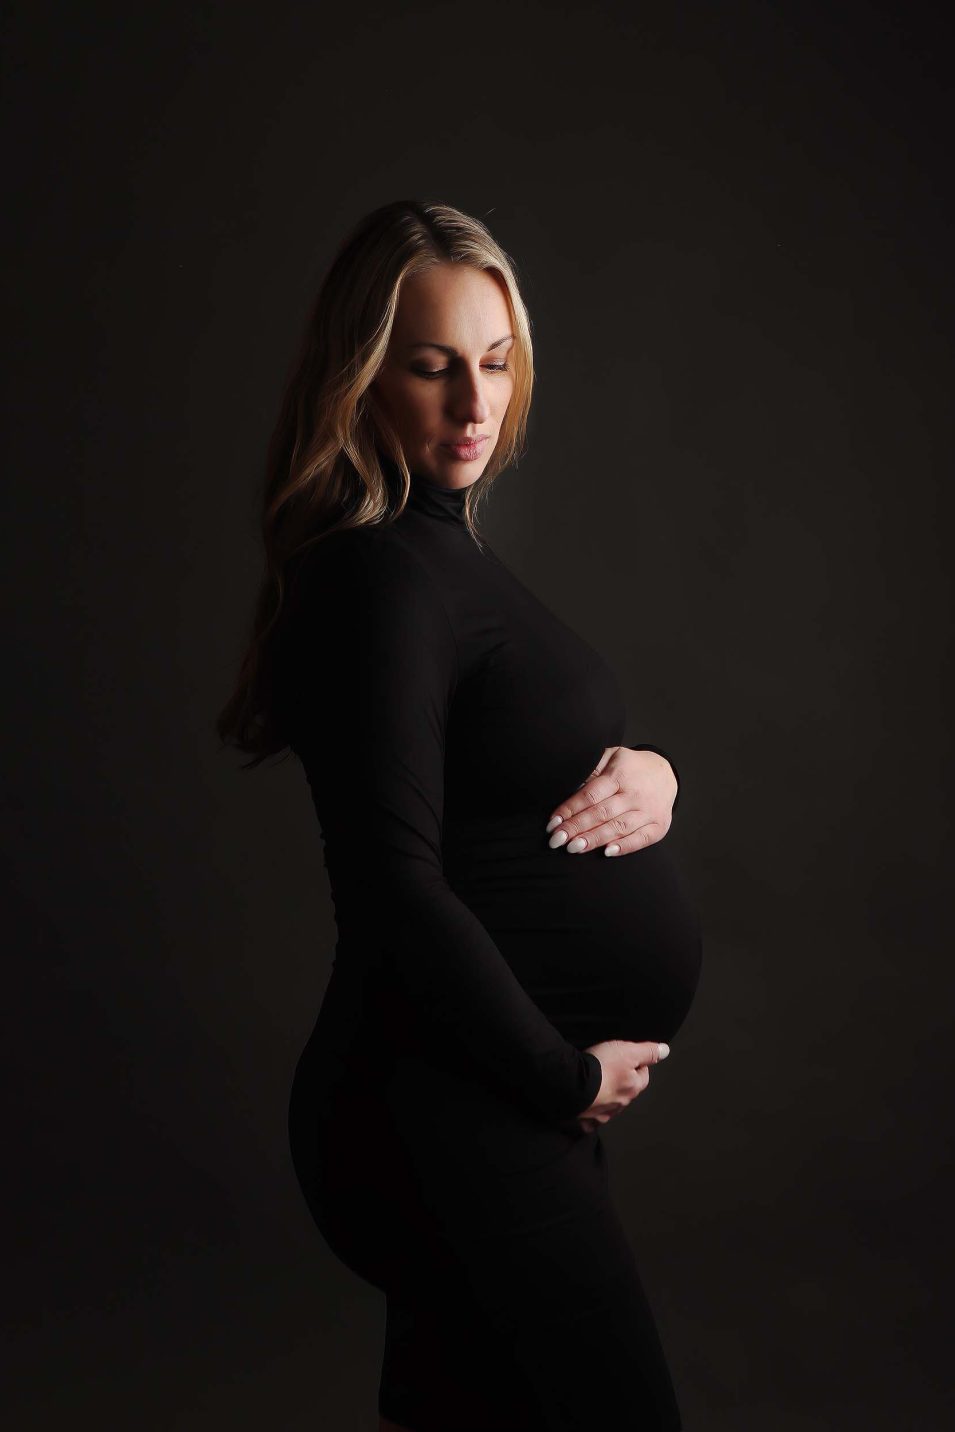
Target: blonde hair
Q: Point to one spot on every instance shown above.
(323, 471)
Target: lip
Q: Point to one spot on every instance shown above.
(470, 449)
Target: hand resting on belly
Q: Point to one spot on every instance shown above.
(626, 1074)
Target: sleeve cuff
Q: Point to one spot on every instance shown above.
(594, 1078)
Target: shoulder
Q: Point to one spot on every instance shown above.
(376, 555)
(370, 572)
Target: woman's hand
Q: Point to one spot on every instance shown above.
(626, 1074)
(624, 804)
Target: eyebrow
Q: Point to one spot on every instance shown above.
(453, 352)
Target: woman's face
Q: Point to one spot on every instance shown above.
(446, 376)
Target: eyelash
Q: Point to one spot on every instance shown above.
(439, 372)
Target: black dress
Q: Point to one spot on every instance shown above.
(440, 712)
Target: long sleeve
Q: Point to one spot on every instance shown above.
(373, 668)
(632, 746)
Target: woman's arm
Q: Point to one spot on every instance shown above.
(374, 667)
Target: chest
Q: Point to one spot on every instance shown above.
(535, 703)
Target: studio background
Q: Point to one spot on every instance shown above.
(732, 224)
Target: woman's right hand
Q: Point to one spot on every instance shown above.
(626, 1073)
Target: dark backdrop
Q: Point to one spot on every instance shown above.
(732, 225)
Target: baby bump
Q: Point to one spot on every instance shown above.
(609, 948)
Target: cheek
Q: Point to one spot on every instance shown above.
(414, 408)
(502, 398)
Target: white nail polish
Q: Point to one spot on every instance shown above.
(578, 843)
(558, 838)
(612, 849)
(664, 1050)
(553, 823)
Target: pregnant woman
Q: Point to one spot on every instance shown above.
(515, 944)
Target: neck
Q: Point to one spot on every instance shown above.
(427, 495)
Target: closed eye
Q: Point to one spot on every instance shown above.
(439, 372)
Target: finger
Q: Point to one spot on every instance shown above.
(613, 818)
(615, 831)
(595, 789)
(648, 1051)
(605, 757)
(645, 835)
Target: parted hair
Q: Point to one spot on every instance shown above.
(323, 471)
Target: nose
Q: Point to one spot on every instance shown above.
(468, 400)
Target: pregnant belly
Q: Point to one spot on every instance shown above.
(609, 948)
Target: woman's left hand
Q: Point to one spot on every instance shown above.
(624, 804)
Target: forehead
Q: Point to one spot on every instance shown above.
(449, 302)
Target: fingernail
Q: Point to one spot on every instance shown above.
(612, 849)
(578, 843)
(664, 1050)
(554, 821)
(560, 837)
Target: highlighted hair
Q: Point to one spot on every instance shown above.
(323, 471)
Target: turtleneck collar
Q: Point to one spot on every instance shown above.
(428, 496)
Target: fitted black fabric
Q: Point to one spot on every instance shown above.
(441, 711)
